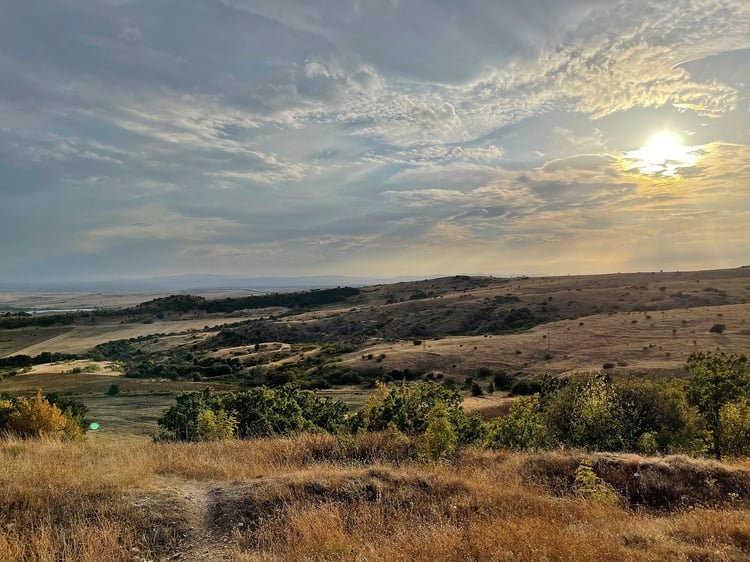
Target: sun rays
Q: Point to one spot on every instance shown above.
(663, 155)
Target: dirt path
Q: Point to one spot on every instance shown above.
(203, 541)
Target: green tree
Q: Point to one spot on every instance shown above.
(523, 428)
(583, 414)
(215, 426)
(181, 419)
(439, 439)
(258, 412)
(654, 416)
(407, 408)
(734, 421)
(718, 378)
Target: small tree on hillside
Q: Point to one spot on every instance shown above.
(734, 421)
(522, 429)
(439, 439)
(718, 378)
(215, 426)
(36, 417)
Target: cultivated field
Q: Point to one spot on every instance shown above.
(80, 339)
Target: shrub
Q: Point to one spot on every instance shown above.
(407, 407)
(502, 380)
(36, 417)
(525, 388)
(582, 414)
(588, 485)
(476, 389)
(734, 425)
(113, 390)
(439, 439)
(717, 328)
(258, 412)
(215, 426)
(522, 429)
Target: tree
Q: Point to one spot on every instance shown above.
(181, 419)
(215, 426)
(583, 414)
(258, 412)
(36, 417)
(522, 429)
(654, 416)
(734, 421)
(439, 439)
(408, 406)
(718, 378)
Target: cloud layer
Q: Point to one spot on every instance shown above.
(407, 137)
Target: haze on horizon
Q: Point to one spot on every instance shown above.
(372, 138)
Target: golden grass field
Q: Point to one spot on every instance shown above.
(635, 342)
(80, 339)
(282, 500)
(120, 496)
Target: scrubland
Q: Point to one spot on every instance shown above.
(318, 497)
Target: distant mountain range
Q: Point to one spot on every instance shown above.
(190, 282)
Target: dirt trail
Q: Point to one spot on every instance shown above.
(203, 540)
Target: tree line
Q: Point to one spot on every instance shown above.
(709, 414)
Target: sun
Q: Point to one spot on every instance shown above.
(664, 155)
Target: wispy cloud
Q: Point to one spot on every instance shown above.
(420, 136)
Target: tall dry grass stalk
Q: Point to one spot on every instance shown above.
(320, 498)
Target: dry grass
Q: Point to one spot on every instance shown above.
(81, 339)
(281, 500)
(656, 342)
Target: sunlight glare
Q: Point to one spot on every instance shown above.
(664, 155)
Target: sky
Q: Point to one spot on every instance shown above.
(146, 138)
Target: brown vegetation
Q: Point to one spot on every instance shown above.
(318, 498)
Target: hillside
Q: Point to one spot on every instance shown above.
(342, 340)
(309, 498)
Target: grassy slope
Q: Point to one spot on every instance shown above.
(80, 339)
(279, 500)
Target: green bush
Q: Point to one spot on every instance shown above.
(407, 407)
(734, 425)
(476, 389)
(258, 412)
(525, 388)
(439, 439)
(523, 428)
(503, 381)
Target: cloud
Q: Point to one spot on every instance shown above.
(320, 134)
(155, 223)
